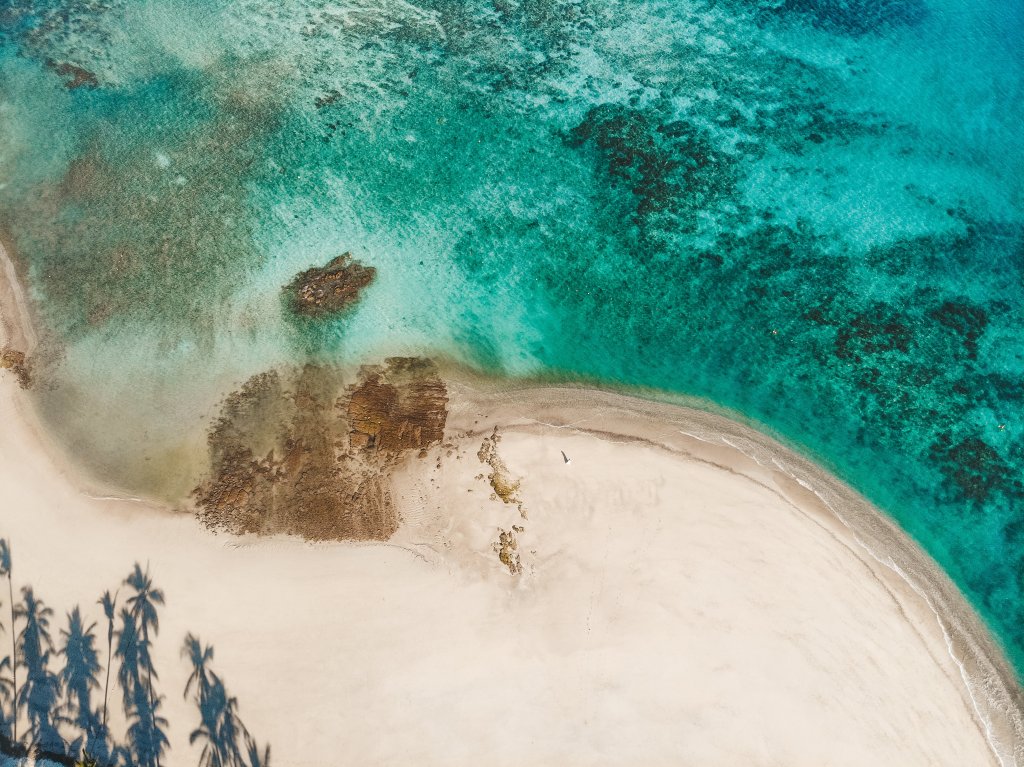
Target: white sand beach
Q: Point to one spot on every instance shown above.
(676, 605)
(685, 595)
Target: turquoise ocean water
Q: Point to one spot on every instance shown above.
(811, 213)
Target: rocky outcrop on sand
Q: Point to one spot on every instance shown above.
(397, 408)
(507, 549)
(505, 487)
(299, 452)
(322, 291)
(18, 364)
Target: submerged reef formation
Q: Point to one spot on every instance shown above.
(75, 76)
(322, 291)
(297, 452)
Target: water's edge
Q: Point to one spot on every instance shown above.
(990, 680)
(682, 425)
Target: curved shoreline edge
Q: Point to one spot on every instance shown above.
(989, 678)
(990, 681)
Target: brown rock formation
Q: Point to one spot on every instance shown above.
(17, 363)
(507, 549)
(289, 455)
(397, 408)
(326, 290)
(505, 487)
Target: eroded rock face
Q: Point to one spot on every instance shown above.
(402, 406)
(299, 453)
(327, 290)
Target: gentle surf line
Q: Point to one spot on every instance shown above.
(1006, 760)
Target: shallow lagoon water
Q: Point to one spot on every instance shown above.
(808, 213)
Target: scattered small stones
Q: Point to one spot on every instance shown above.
(507, 548)
(505, 487)
(18, 364)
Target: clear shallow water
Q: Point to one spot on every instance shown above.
(811, 213)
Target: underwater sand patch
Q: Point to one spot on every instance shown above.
(301, 453)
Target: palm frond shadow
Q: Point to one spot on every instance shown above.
(57, 716)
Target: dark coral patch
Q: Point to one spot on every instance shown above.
(966, 320)
(668, 167)
(973, 469)
(75, 77)
(855, 18)
(874, 331)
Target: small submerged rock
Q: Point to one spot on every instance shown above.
(322, 291)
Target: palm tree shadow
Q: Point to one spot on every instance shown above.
(147, 737)
(55, 704)
(80, 679)
(224, 738)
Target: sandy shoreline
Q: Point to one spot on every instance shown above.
(690, 590)
(710, 438)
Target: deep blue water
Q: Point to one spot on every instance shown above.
(807, 212)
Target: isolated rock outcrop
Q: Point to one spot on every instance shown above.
(322, 291)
